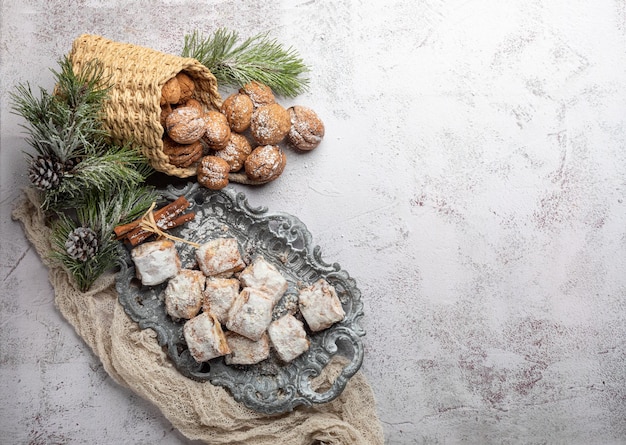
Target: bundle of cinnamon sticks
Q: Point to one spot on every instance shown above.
(167, 217)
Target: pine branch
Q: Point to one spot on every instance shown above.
(259, 58)
(66, 124)
(88, 185)
(90, 87)
(101, 212)
(114, 167)
(86, 272)
(119, 205)
(44, 118)
(63, 137)
(25, 103)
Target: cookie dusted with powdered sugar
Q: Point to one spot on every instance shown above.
(245, 351)
(156, 261)
(320, 305)
(183, 294)
(288, 337)
(265, 277)
(205, 338)
(220, 257)
(250, 314)
(219, 294)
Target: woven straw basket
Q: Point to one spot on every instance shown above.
(132, 110)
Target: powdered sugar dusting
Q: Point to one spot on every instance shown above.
(270, 124)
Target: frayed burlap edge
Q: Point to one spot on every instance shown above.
(199, 410)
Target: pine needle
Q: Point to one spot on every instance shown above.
(113, 168)
(259, 58)
(90, 87)
(66, 124)
(120, 205)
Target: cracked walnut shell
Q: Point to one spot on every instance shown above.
(238, 109)
(235, 152)
(265, 163)
(259, 93)
(217, 131)
(213, 172)
(185, 125)
(307, 129)
(270, 124)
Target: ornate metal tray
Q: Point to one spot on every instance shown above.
(270, 387)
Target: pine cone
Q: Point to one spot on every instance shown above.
(82, 244)
(45, 172)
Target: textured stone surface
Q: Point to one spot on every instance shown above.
(471, 180)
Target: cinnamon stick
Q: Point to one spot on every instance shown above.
(138, 236)
(179, 221)
(168, 212)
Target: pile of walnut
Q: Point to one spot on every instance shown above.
(242, 141)
(228, 305)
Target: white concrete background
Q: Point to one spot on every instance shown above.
(472, 180)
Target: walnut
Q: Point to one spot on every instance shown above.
(238, 111)
(217, 131)
(265, 163)
(187, 86)
(170, 92)
(185, 125)
(270, 124)
(235, 152)
(307, 129)
(213, 172)
(182, 155)
(259, 93)
(195, 104)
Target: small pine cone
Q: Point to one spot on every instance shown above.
(45, 172)
(82, 244)
(70, 164)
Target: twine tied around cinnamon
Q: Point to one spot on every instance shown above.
(155, 223)
(148, 223)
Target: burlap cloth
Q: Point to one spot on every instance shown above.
(199, 410)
